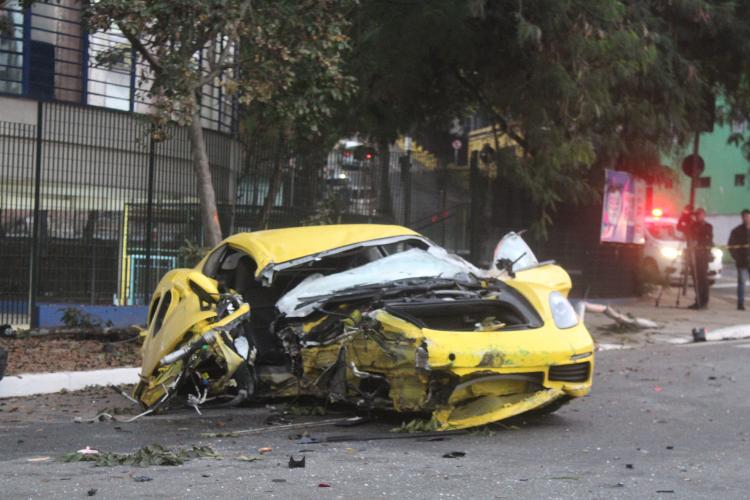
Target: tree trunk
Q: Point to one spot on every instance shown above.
(273, 187)
(209, 213)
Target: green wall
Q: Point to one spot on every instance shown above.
(723, 162)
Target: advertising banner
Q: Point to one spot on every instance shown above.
(624, 207)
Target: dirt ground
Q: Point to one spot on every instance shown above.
(65, 406)
(50, 354)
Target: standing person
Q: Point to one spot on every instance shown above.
(739, 248)
(700, 235)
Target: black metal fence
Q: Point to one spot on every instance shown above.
(93, 211)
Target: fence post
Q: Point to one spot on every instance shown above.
(35, 235)
(406, 186)
(475, 208)
(149, 219)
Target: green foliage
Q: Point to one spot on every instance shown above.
(73, 317)
(190, 253)
(284, 56)
(327, 211)
(578, 85)
(418, 425)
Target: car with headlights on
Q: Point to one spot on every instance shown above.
(664, 252)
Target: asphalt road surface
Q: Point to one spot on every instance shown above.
(663, 422)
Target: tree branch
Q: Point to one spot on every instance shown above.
(138, 45)
(499, 118)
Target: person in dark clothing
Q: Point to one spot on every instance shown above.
(700, 241)
(739, 248)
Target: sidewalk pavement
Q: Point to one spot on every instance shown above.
(676, 323)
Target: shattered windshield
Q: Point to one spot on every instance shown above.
(414, 263)
(515, 249)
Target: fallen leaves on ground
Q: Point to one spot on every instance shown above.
(154, 454)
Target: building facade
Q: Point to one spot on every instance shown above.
(723, 188)
(91, 209)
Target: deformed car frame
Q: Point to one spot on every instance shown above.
(375, 315)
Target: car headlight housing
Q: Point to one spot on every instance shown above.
(670, 252)
(562, 311)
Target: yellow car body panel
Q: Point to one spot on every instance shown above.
(183, 313)
(275, 246)
(547, 275)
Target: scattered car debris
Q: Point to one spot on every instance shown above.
(123, 394)
(324, 485)
(296, 464)
(455, 454)
(154, 454)
(287, 427)
(265, 449)
(142, 479)
(246, 458)
(734, 332)
(699, 334)
(434, 435)
(618, 317)
(39, 459)
(100, 417)
(629, 466)
(91, 492)
(8, 332)
(418, 425)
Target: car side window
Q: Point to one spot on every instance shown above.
(213, 263)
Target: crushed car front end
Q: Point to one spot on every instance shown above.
(468, 355)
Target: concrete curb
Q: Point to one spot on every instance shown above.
(46, 383)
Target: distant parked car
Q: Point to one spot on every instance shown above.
(664, 252)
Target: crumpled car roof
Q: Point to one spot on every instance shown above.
(283, 245)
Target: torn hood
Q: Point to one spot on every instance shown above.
(434, 262)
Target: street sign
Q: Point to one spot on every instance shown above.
(693, 165)
(456, 144)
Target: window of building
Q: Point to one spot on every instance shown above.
(11, 50)
(703, 182)
(739, 180)
(49, 56)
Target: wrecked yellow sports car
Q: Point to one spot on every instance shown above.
(375, 315)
